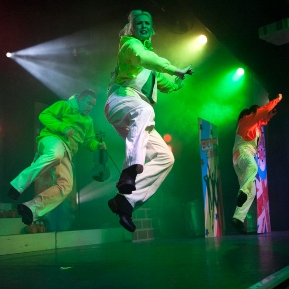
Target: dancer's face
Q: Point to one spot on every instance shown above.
(142, 27)
(86, 104)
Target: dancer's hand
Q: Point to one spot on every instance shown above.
(280, 96)
(69, 131)
(102, 146)
(180, 73)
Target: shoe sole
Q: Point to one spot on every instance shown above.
(124, 225)
(239, 227)
(113, 207)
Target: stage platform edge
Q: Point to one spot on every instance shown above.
(13, 244)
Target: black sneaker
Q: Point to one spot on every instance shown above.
(26, 213)
(121, 206)
(239, 226)
(13, 193)
(241, 199)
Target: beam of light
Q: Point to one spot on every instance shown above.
(52, 75)
(221, 108)
(96, 190)
(61, 45)
(229, 84)
(63, 64)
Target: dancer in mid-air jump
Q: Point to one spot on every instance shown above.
(245, 148)
(129, 108)
(67, 125)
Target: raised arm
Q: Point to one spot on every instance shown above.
(140, 56)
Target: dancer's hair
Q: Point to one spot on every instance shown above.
(127, 29)
(248, 111)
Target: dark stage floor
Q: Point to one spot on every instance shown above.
(235, 261)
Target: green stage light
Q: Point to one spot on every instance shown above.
(238, 74)
(240, 71)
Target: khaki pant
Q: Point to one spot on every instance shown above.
(52, 156)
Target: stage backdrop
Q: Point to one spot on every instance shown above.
(263, 215)
(211, 179)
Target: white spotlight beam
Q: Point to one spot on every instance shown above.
(53, 75)
(95, 190)
(54, 62)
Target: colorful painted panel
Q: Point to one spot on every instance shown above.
(211, 180)
(263, 214)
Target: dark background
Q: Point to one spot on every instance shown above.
(233, 28)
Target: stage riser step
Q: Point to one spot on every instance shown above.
(12, 244)
(11, 226)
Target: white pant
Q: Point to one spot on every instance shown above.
(133, 119)
(246, 169)
(52, 156)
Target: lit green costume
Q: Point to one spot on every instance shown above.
(55, 152)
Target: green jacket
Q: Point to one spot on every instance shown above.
(140, 70)
(62, 114)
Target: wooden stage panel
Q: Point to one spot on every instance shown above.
(233, 261)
